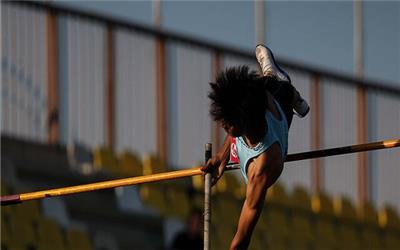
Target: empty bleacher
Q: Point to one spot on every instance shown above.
(290, 220)
(24, 226)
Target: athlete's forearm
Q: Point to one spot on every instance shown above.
(224, 152)
(247, 222)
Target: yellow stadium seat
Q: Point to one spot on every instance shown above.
(4, 189)
(271, 230)
(391, 239)
(277, 194)
(367, 213)
(225, 234)
(343, 208)
(388, 218)
(178, 203)
(321, 203)
(275, 217)
(215, 240)
(258, 240)
(348, 236)
(28, 211)
(7, 210)
(14, 246)
(130, 164)
(272, 227)
(104, 158)
(390, 222)
(370, 234)
(216, 218)
(276, 245)
(218, 244)
(347, 229)
(229, 184)
(5, 231)
(227, 209)
(197, 200)
(22, 233)
(325, 236)
(370, 238)
(274, 223)
(198, 183)
(302, 235)
(77, 239)
(154, 196)
(50, 235)
(273, 236)
(17, 222)
(153, 164)
(300, 199)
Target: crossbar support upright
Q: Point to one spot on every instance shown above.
(207, 199)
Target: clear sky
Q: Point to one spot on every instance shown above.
(318, 33)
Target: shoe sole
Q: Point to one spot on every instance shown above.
(302, 116)
(275, 63)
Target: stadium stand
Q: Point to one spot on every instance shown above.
(293, 220)
(370, 231)
(324, 225)
(347, 224)
(302, 234)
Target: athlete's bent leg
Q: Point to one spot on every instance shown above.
(270, 67)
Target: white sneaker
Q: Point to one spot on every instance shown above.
(300, 107)
(268, 64)
(269, 67)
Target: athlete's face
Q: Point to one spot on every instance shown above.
(231, 130)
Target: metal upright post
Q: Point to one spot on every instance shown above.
(207, 200)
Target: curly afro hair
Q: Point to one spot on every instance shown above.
(238, 97)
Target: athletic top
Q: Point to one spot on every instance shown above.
(277, 132)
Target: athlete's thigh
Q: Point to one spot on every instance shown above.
(283, 93)
(284, 96)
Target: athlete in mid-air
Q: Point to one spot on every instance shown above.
(256, 112)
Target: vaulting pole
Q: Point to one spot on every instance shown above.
(11, 199)
(207, 200)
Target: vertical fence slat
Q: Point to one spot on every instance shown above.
(110, 87)
(315, 133)
(362, 161)
(52, 87)
(161, 100)
(216, 129)
(5, 86)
